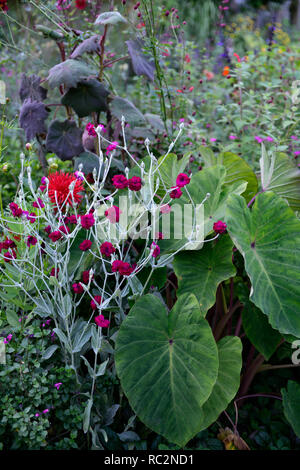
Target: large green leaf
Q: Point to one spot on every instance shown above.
(168, 365)
(208, 181)
(268, 236)
(280, 175)
(69, 73)
(200, 272)
(88, 96)
(236, 169)
(291, 405)
(228, 381)
(259, 330)
(169, 168)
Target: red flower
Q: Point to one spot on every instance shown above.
(123, 268)
(182, 179)
(85, 245)
(87, 221)
(55, 236)
(120, 181)
(80, 4)
(220, 227)
(101, 321)
(31, 241)
(54, 272)
(59, 183)
(15, 209)
(107, 249)
(77, 288)
(156, 250)
(97, 300)
(176, 193)
(9, 256)
(86, 277)
(135, 183)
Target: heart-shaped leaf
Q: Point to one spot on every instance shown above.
(30, 88)
(259, 331)
(88, 96)
(141, 62)
(280, 175)
(268, 236)
(32, 118)
(64, 139)
(291, 405)
(211, 265)
(87, 46)
(69, 73)
(122, 107)
(236, 169)
(89, 161)
(168, 365)
(228, 381)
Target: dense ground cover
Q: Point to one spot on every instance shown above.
(150, 233)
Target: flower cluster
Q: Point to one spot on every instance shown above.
(121, 182)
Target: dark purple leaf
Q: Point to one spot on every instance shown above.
(32, 118)
(142, 64)
(89, 45)
(88, 96)
(30, 88)
(64, 139)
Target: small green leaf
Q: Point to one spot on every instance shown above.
(291, 405)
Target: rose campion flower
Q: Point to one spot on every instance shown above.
(96, 301)
(38, 204)
(107, 249)
(85, 245)
(156, 250)
(77, 288)
(54, 272)
(55, 236)
(101, 321)
(120, 181)
(87, 221)
(182, 179)
(58, 385)
(31, 241)
(135, 183)
(15, 209)
(122, 268)
(220, 227)
(86, 277)
(176, 193)
(111, 147)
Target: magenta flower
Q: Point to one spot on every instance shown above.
(120, 181)
(86, 277)
(156, 250)
(176, 193)
(46, 410)
(38, 204)
(182, 179)
(31, 217)
(15, 209)
(232, 137)
(71, 219)
(31, 241)
(107, 249)
(258, 139)
(101, 321)
(96, 301)
(220, 227)
(7, 339)
(122, 268)
(135, 183)
(54, 272)
(55, 236)
(85, 245)
(111, 147)
(77, 288)
(91, 129)
(87, 221)
(58, 385)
